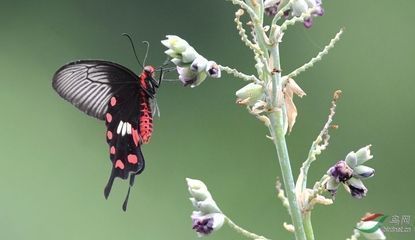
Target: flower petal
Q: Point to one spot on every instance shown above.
(199, 64)
(206, 224)
(363, 154)
(351, 159)
(363, 172)
(189, 55)
(332, 185)
(356, 188)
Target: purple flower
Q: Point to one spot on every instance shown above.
(298, 7)
(208, 223)
(203, 226)
(271, 7)
(350, 173)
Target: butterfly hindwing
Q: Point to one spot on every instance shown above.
(123, 138)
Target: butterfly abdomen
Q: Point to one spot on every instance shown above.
(146, 119)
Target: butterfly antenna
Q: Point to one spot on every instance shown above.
(148, 47)
(132, 45)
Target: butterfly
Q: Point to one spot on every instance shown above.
(125, 101)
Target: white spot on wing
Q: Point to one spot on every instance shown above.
(119, 127)
(128, 128)
(124, 129)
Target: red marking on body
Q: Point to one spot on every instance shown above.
(119, 164)
(112, 150)
(136, 137)
(109, 135)
(132, 158)
(146, 119)
(113, 101)
(108, 116)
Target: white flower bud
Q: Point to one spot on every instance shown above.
(197, 189)
(176, 43)
(252, 92)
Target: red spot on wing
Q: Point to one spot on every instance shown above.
(113, 101)
(109, 135)
(136, 137)
(119, 164)
(108, 116)
(112, 150)
(132, 158)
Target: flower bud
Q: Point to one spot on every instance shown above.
(251, 93)
(197, 189)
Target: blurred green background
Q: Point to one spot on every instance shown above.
(54, 161)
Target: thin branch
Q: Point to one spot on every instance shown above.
(240, 75)
(318, 57)
(259, 54)
(320, 144)
(242, 231)
(245, 6)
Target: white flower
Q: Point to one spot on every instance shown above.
(192, 67)
(207, 216)
(350, 172)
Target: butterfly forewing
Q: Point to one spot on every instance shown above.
(89, 84)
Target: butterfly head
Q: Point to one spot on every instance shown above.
(149, 71)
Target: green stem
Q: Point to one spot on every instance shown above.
(278, 136)
(308, 226)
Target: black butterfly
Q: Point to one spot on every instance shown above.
(111, 92)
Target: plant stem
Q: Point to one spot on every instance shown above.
(278, 136)
(308, 226)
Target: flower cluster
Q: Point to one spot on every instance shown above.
(207, 216)
(192, 67)
(350, 172)
(298, 7)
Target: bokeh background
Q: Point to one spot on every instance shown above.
(54, 161)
